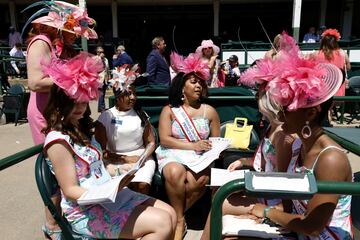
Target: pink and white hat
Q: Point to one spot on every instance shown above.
(207, 44)
(294, 81)
(191, 64)
(64, 16)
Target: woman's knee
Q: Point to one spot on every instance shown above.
(174, 173)
(163, 222)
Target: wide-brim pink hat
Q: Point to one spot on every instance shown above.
(70, 18)
(206, 44)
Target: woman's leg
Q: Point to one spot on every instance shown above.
(195, 186)
(51, 224)
(175, 177)
(141, 187)
(153, 219)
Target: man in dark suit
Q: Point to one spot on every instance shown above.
(156, 64)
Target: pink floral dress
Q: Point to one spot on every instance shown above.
(93, 221)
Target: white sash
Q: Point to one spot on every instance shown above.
(186, 124)
(326, 234)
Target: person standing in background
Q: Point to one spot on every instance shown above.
(14, 37)
(156, 65)
(121, 57)
(104, 77)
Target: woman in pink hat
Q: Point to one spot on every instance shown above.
(51, 36)
(209, 52)
(303, 88)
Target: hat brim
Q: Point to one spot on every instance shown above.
(332, 81)
(215, 48)
(55, 23)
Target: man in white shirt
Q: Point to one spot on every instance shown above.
(17, 52)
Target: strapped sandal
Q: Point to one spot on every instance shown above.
(48, 233)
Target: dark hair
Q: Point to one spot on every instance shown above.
(176, 87)
(328, 44)
(325, 106)
(141, 113)
(59, 106)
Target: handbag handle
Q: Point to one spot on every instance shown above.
(237, 119)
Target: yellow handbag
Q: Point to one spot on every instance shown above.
(239, 135)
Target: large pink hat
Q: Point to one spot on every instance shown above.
(66, 17)
(206, 44)
(294, 81)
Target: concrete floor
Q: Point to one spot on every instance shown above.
(22, 212)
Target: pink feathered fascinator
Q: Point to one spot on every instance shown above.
(332, 32)
(78, 76)
(293, 81)
(191, 64)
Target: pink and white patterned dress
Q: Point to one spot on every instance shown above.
(93, 221)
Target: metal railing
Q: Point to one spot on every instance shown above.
(20, 156)
(239, 186)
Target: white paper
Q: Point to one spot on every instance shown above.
(221, 176)
(200, 162)
(234, 226)
(281, 183)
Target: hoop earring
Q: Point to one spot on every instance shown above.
(306, 128)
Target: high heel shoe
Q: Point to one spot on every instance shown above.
(49, 233)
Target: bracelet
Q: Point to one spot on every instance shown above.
(266, 211)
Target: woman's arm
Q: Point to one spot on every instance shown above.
(167, 140)
(149, 138)
(321, 207)
(347, 62)
(37, 80)
(214, 119)
(64, 167)
(100, 135)
(283, 150)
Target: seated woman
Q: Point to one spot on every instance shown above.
(184, 127)
(304, 89)
(277, 152)
(124, 132)
(78, 166)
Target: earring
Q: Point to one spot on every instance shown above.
(306, 128)
(182, 96)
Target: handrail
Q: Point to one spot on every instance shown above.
(20, 156)
(238, 185)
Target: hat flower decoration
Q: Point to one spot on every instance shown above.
(63, 16)
(332, 32)
(124, 76)
(191, 64)
(293, 80)
(78, 76)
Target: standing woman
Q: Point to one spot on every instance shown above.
(331, 52)
(304, 89)
(209, 53)
(184, 128)
(124, 132)
(51, 36)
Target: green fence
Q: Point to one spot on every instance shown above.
(239, 186)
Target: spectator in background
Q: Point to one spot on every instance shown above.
(17, 52)
(104, 77)
(209, 52)
(156, 65)
(232, 71)
(311, 36)
(14, 37)
(121, 57)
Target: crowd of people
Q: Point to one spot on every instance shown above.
(83, 154)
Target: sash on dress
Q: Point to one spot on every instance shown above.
(186, 124)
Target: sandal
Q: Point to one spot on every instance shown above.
(48, 233)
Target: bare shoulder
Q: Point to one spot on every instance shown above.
(336, 163)
(210, 110)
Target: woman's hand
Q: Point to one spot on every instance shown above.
(258, 210)
(235, 165)
(202, 145)
(131, 159)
